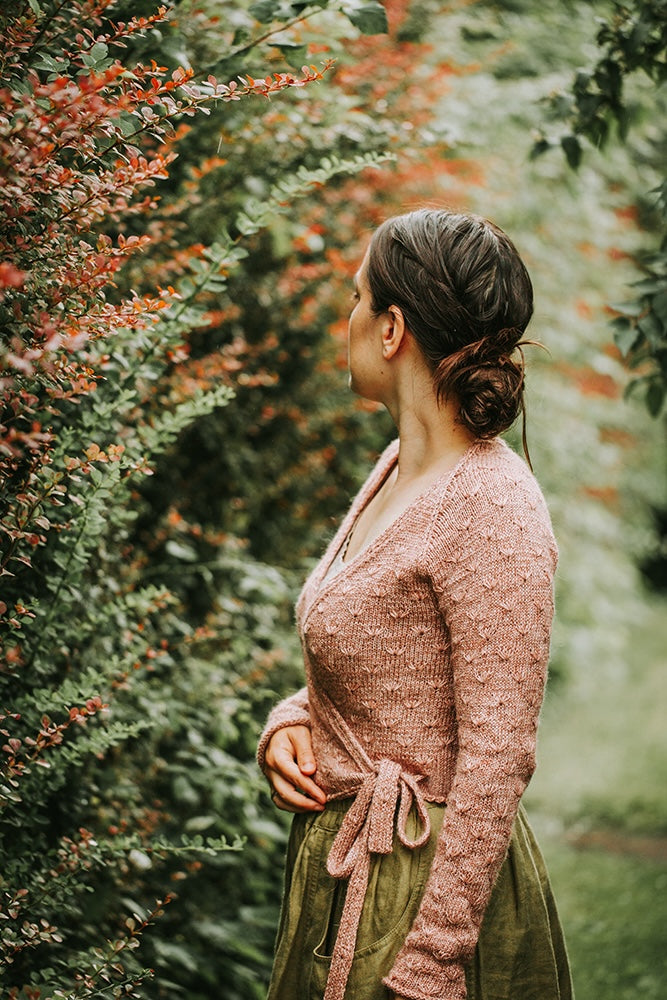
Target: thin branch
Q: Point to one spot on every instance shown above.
(267, 34)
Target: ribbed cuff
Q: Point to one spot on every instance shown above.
(442, 981)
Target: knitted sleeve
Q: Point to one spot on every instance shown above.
(492, 576)
(292, 711)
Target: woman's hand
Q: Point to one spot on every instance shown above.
(289, 765)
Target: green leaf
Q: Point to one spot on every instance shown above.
(627, 308)
(655, 397)
(264, 11)
(626, 338)
(370, 18)
(572, 149)
(50, 64)
(659, 305)
(177, 954)
(196, 824)
(175, 47)
(294, 53)
(652, 330)
(540, 146)
(648, 286)
(99, 51)
(181, 552)
(128, 123)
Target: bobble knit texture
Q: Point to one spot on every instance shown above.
(428, 650)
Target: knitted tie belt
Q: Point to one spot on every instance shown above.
(368, 828)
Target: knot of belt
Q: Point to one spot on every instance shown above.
(368, 828)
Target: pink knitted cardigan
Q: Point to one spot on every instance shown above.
(426, 657)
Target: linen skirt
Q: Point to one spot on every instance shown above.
(520, 953)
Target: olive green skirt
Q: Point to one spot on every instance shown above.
(520, 954)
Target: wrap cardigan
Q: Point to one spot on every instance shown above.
(426, 658)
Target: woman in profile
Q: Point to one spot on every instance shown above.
(412, 873)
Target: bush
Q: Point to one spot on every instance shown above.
(130, 713)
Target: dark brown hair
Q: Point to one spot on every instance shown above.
(467, 298)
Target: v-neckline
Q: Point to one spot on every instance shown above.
(325, 579)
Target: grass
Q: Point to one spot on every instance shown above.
(602, 772)
(614, 911)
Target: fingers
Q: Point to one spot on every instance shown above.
(289, 763)
(293, 798)
(303, 746)
(293, 778)
(290, 759)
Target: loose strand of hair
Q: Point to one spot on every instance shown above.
(524, 432)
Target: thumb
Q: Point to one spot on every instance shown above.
(303, 748)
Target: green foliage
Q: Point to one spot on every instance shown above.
(135, 653)
(196, 769)
(257, 214)
(367, 15)
(632, 41)
(147, 630)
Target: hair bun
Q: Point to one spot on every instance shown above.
(487, 384)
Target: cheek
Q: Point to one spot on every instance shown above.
(352, 327)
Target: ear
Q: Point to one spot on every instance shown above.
(393, 331)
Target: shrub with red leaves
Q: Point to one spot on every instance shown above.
(92, 647)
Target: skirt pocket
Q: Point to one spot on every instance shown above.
(395, 887)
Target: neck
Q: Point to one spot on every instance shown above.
(429, 434)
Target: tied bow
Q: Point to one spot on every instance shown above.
(368, 828)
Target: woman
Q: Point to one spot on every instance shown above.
(425, 631)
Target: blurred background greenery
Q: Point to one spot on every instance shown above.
(463, 96)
